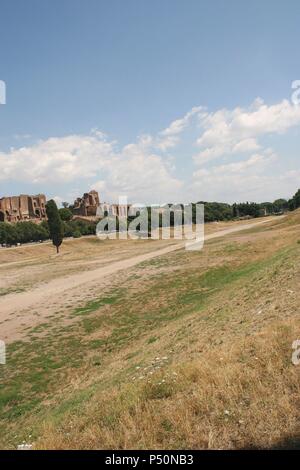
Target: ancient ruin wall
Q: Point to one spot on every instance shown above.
(23, 207)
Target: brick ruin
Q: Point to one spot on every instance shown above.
(87, 205)
(33, 208)
(23, 207)
(119, 210)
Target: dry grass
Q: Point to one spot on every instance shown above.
(236, 396)
(29, 266)
(193, 351)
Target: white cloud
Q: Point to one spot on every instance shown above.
(143, 170)
(58, 200)
(236, 131)
(246, 145)
(177, 126)
(257, 162)
(259, 187)
(169, 137)
(139, 175)
(249, 179)
(57, 159)
(134, 169)
(22, 136)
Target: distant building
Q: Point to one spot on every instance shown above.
(119, 210)
(87, 205)
(23, 207)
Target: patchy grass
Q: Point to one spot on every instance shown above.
(94, 305)
(197, 355)
(11, 290)
(223, 401)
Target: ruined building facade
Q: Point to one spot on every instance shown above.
(23, 207)
(118, 210)
(87, 205)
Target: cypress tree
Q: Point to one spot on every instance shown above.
(55, 224)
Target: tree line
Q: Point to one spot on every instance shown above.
(59, 227)
(217, 211)
(60, 223)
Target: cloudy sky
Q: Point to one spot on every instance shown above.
(158, 100)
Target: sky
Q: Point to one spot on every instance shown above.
(159, 101)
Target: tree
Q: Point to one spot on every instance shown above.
(65, 204)
(8, 234)
(76, 234)
(294, 203)
(65, 214)
(296, 199)
(55, 224)
(280, 205)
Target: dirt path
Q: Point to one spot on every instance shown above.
(16, 309)
(14, 263)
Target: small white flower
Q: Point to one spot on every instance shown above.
(24, 446)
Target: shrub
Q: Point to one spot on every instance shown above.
(76, 234)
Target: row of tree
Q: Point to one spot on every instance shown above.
(60, 223)
(217, 211)
(56, 228)
(23, 232)
(294, 203)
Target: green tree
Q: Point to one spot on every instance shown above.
(294, 203)
(55, 224)
(296, 199)
(280, 205)
(76, 234)
(8, 234)
(65, 214)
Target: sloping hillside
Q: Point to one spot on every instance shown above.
(190, 350)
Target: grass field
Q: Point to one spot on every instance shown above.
(186, 350)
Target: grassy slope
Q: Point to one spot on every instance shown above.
(192, 351)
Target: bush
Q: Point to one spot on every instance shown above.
(294, 203)
(65, 214)
(76, 234)
(22, 232)
(77, 226)
(25, 232)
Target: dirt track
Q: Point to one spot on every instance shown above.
(17, 308)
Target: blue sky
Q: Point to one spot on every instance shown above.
(94, 86)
